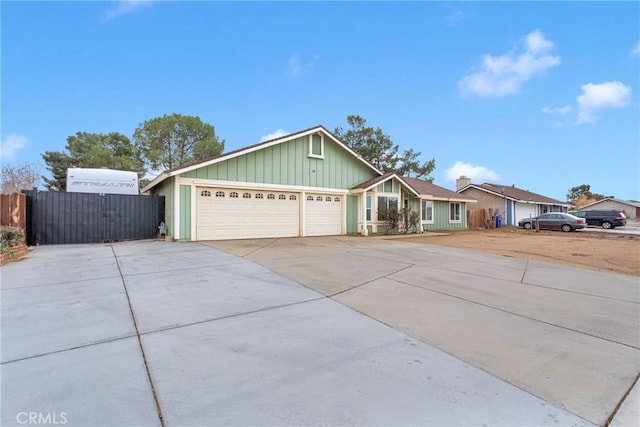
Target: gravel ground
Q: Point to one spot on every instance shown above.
(614, 253)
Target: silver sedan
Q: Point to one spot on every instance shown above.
(553, 221)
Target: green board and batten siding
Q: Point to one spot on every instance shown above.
(288, 164)
(441, 217)
(352, 214)
(185, 212)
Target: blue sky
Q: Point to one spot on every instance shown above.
(541, 95)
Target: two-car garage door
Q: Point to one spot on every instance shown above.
(245, 214)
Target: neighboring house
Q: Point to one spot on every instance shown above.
(307, 183)
(511, 202)
(437, 207)
(630, 209)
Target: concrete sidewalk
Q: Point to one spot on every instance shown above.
(155, 333)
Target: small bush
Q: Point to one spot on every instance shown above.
(391, 219)
(11, 237)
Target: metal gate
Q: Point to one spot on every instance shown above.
(55, 218)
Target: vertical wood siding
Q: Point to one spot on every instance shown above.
(185, 212)
(441, 217)
(288, 164)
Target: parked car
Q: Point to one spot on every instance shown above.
(554, 221)
(603, 218)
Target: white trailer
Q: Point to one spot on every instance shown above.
(107, 181)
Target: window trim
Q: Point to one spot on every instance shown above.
(387, 196)
(424, 211)
(311, 154)
(451, 211)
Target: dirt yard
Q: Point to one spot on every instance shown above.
(594, 251)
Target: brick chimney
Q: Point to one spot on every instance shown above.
(462, 182)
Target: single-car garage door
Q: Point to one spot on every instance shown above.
(245, 214)
(323, 215)
(525, 211)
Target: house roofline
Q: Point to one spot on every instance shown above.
(613, 199)
(515, 199)
(358, 190)
(255, 147)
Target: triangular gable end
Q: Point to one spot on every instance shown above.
(374, 182)
(256, 147)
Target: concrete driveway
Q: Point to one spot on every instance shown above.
(315, 331)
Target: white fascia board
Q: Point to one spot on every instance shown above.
(487, 191)
(258, 186)
(277, 141)
(447, 199)
(155, 181)
(258, 147)
(403, 182)
(359, 190)
(350, 150)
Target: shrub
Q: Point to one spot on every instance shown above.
(11, 237)
(403, 221)
(391, 219)
(411, 221)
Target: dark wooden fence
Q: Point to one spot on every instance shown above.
(13, 210)
(55, 218)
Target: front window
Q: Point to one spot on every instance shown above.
(385, 204)
(455, 212)
(368, 208)
(427, 211)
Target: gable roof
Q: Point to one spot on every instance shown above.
(377, 180)
(432, 191)
(255, 147)
(613, 199)
(420, 188)
(514, 193)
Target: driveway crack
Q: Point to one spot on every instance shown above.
(372, 280)
(144, 356)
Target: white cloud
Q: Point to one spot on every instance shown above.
(296, 67)
(126, 7)
(505, 74)
(476, 173)
(10, 145)
(273, 135)
(636, 50)
(557, 110)
(600, 96)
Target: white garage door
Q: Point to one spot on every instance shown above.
(246, 214)
(323, 214)
(525, 211)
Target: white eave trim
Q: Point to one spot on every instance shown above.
(403, 182)
(258, 147)
(155, 181)
(259, 186)
(447, 199)
(537, 202)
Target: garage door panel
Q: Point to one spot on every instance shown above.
(323, 215)
(525, 211)
(240, 214)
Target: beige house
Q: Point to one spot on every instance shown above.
(511, 202)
